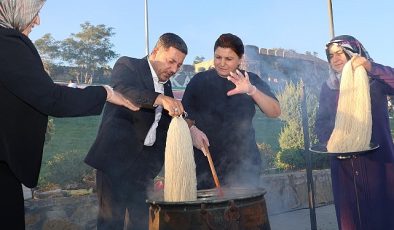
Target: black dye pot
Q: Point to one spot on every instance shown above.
(236, 208)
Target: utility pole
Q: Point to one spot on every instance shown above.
(330, 16)
(308, 159)
(146, 29)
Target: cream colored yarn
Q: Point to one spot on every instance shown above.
(180, 181)
(353, 122)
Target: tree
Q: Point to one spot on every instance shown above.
(49, 50)
(89, 50)
(48, 47)
(198, 59)
(86, 53)
(290, 102)
(291, 138)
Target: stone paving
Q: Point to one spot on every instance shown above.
(300, 219)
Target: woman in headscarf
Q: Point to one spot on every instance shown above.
(27, 97)
(363, 185)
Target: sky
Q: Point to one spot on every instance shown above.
(300, 25)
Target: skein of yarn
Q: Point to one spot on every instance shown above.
(180, 181)
(353, 122)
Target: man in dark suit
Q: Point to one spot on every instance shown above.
(129, 149)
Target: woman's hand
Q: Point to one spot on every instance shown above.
(118, 99)
(361, 61)
(198, 138)
(242, 84)
(267, 104)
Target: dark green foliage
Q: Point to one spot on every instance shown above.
(49, 49)
(320, 161)
(85, 54)
(267, 156)
(294, 159)
(198, 59)
(50, 130)
(267, 129)
(291, 137)
(65, 168)
(290, 159)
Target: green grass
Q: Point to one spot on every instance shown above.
(70, 135)
(267, 130)
(79, 133)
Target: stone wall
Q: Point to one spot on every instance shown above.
(66, 213)
(285, 192)
(288, 191)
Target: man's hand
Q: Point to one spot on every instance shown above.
(172, 105)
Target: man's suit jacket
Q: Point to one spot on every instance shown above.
(119, 145)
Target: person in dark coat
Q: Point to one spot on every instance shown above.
(27, 97)
(363, 185)
(221, 103)
(129, 149)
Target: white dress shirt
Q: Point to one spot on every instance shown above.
(159, 88)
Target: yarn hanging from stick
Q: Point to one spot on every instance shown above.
(353, 122)
(180, 180)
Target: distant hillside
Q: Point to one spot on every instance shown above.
(274, 66)
(278, 66)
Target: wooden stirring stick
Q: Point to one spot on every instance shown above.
(212, 166)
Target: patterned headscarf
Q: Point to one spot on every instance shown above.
(18, 14)
(351, 46)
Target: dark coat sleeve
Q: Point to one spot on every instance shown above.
(132, 77)
(23, 74)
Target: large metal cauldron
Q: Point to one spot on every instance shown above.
(237, 208)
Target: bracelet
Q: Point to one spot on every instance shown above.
(110, 92)
(253, 91)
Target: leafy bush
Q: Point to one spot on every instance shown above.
(65, 168)
(291, 138)
(320, 161)
(290, 101)
(290, 159)
(294, 159)
(267, 156)
(50, 130)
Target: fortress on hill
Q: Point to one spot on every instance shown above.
(274, 66)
